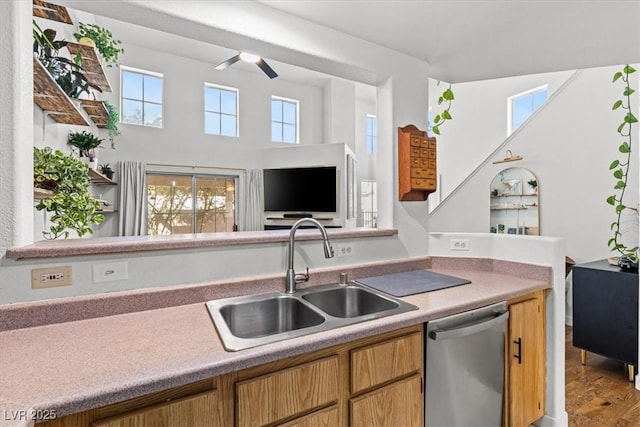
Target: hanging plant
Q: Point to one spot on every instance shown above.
(104, 42)
(72, 206)
(620, 167)
(112, 123)
(447, 97)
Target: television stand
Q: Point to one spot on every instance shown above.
(297, 215)
(284, 218)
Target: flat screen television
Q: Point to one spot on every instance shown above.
(311, 189)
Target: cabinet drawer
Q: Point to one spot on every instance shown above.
(432, 164)
(424, 143)
(278, 395)
(422, 173)
(398, 404)
(431, 153)
(198, 411)
(415, 141)
(432, 145)
(419, 162)
(423, 184)
(416, 151)
(424, 152)
(327, 417)
(382, 362)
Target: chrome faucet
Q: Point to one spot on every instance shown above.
(293, 278)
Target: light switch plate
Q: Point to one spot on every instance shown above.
(110, 271)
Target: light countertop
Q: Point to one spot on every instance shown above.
(83, 364)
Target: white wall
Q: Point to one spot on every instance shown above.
(403, 96)
(479, 122)
(547, 251)
(569, 145)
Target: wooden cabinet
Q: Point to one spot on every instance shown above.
(287, 393)
(195, 411)
(525, 361)
(338, 386)
(201, 404)
(375, 381)
(417, 161)
(398, 404)
(381, 362)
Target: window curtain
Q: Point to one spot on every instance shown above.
(133, 199)
(253, 218)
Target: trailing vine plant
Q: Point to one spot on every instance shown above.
(446, 96)
(620, 167)
(70, 204)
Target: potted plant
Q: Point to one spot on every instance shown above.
(66, 72)
(106, 170)
(628, 256)
(72, 206)
(103, 41)
(533, 184)
(112, 123)
(86, 143)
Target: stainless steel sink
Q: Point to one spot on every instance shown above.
(269, 316)
(349, 301)
(253, 320)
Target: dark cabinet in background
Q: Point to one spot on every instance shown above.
(605, 312)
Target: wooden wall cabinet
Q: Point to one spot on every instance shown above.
(525, 361)
(372, 381)
(417, 164)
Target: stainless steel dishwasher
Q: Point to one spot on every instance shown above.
(464, 372)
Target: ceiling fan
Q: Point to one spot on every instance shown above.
(249, 57)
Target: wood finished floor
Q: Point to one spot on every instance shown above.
(598, 394)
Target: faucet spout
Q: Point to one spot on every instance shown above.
(292, 278)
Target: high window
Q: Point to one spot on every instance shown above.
(179, 204)
(372, 134)
(523, 105)
(220, 110)
(284, 120)
(141, 97)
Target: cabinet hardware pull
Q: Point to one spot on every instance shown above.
(519, 355)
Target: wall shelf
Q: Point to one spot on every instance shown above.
(41, 193)
(98, 178)
(53, 12)
(52, 100)
(91, 66)
(97, 112)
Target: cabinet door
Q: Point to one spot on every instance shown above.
(286, 393)
(398, 404)
(196, 411)
(328, 417)
(382, 362)
(526, 357)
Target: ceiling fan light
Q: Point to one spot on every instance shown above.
(249, 57)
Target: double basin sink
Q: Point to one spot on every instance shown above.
(253, 320)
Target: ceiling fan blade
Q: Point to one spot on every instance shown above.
(266, 68)
(228, 62)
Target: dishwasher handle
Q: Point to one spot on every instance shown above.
(468, 330)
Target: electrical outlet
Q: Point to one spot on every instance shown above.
(110, 272)
(51, 277)
(344, 249)
(459, 244)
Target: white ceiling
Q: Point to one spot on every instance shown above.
(467, 40)
(462, 40)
